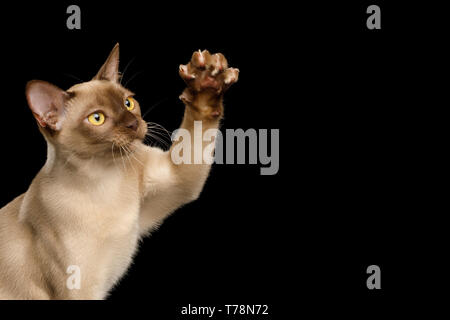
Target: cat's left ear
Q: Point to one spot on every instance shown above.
(110, 69)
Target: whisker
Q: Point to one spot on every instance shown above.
(158, 139)
(154, 106)
(126, 150)
(134, 76)
(73, 77)
(150, 141)
(159, 129)
(139, 161)
(158, 133)
(121, 157)
(112, 151)
(126, 68)
(156, 125)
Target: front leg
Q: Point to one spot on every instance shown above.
(168, 185)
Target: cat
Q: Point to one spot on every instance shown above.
(101, 188)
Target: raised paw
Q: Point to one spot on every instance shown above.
(208, 73)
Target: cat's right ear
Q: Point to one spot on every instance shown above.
(47, 102)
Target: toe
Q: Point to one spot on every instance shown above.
(216, 64)
(231, 75)
(199, 59)
(185, 74)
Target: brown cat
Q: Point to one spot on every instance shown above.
(101, 188)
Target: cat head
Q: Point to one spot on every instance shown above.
(91, 118)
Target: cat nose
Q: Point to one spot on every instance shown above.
(133, 124)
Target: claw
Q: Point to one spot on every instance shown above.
(231, 75)
(198, 59)
(205, 53)
(216, 65)
(184, 72)
(201, 57)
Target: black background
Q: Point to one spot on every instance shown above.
(340, 95)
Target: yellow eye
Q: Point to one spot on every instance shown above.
(129, 103)
(97, 118)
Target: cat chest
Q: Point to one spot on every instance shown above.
(96, 225)
(107, 208)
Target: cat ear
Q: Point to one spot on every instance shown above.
(110, 69)
(46, 101)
